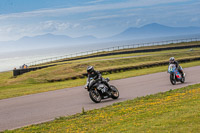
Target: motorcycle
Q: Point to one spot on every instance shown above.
(100, 91)
(175, 75)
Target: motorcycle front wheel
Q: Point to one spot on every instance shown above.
(172, 79)
(95, 96)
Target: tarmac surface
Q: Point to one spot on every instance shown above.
(37, 108)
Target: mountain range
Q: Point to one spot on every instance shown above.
(154, 30)
(50, 40)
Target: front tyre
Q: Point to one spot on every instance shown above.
(95, 96)
(114, 92)
(172, 79)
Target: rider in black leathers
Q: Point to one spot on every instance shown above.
(96, 75)
(173, 61)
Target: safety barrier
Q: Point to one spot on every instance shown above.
(116, 70)
(90, 54)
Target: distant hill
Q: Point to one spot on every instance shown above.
(154, 30)
(51, 39)
(45, 41)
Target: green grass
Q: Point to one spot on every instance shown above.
(30, 87)
(173, 111)
(61, 72)
(122, 55)
(37, 81)
(128, 49)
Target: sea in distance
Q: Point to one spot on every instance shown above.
(15, 59)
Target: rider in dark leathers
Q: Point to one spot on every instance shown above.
(173, 61)
(96, 75)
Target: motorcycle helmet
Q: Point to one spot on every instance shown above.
(171, 60)
(90, 69)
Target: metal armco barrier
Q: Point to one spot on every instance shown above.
(116, 70)
(77, 56)
(17, 72)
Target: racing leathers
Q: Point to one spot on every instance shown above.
(96, 75)
(178, 67)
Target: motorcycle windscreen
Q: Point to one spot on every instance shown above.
(171, 67)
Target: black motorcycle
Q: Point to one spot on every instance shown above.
(100, 91)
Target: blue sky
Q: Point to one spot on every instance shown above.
(100, 18)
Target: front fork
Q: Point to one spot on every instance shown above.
(173, 76)
(95, 91)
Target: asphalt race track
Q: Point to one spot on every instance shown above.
(36, 108)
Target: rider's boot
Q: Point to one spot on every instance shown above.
(183, 74)
(109, 93)
(110, 88)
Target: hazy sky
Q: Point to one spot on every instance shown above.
(100, 18)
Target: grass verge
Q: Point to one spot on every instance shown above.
(75, 69)
(37, 81)
(30, 87)
(173, 111)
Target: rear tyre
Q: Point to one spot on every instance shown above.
(183, 80)
(95, 96)
(114, 92)
(172, 79)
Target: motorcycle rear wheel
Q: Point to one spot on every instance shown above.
(115, 93)
(183, 80)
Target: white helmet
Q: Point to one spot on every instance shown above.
(172, 59)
